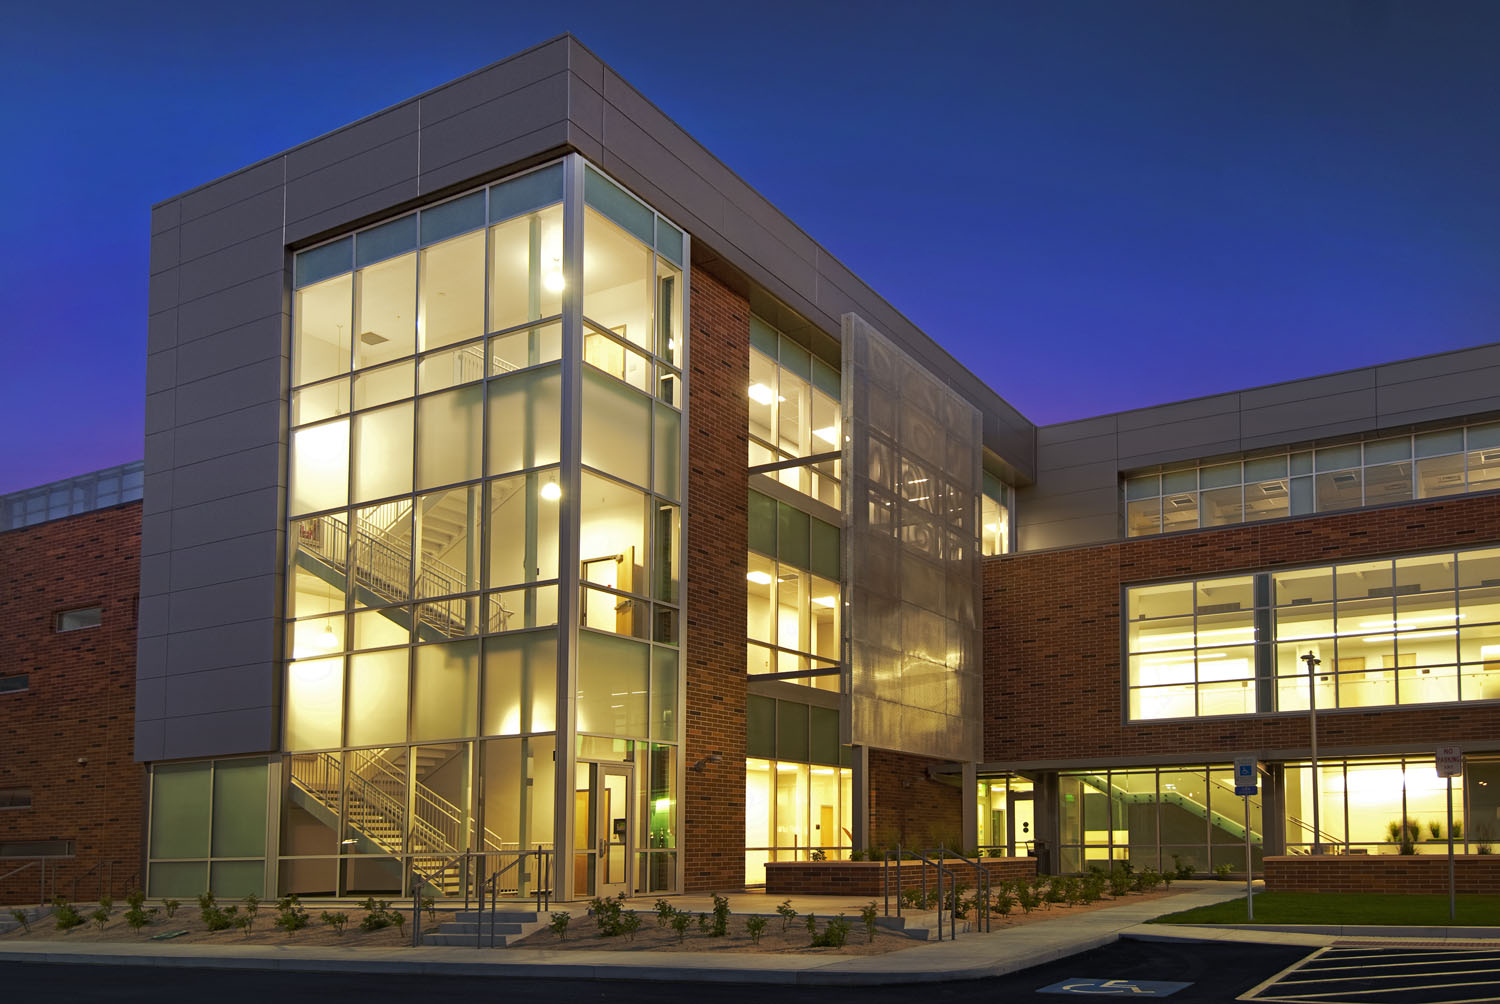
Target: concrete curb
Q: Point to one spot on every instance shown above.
(1355, 930)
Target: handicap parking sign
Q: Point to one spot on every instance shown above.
(1114, 988)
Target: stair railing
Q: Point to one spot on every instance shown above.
(981, 887)
(941, 870)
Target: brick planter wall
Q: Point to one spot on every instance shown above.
(1413, 873)
(865, 878)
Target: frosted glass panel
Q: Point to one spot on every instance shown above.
(520, 684)
(320, 467)
(179, 811)
(450, 435)
(616, 428)
(444, 691)
(240, 810)
(314, 703)
(524, 414)
(451, 308)
(382, 452)
(377, 698)
(526, 272)
(612, 673)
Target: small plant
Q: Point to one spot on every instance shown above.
(1435, 829)
(631, 924)
(835, 933)
(787, 914)
(1456, 831)
(67, 917)
(1119, 881)
(135, 899)
(100, 917)
(22, 919)
(290, 916)
(664, 912)
(252, 907)
(379, 915)
(1404, 833)
(1180, 870)
(858, 856)
(169, 907)
(679, 922)
(107, 903)
(1093, 886)
(704, 925)
(812, 926)
(1221, 871)
(430, 905)
(607, 914)
(205, 904)
(1026, 897)
(335, 920)
(1003, 900)
(995, 852)
(755, 926)
(818, 855)
(559, 925)
(243, 922)
(720, 925)
(912, 898)
(1056, 891)
(138, 917)
(399, 919)
(867, 914)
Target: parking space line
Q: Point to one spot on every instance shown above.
(1249, 995)
(1391, 990)
(1390, 976)
(1391, 965)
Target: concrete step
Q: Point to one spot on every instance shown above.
(509, 928)
(509, 915)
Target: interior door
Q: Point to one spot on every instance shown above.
(1023, 824)
(615, 813)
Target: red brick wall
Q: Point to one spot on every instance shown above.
(1052, 658)
(868, 878)
(80, 704)
(717, 531)
(1414, 873)
(909, 808)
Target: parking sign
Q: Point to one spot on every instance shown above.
(1245, 777)
(1450, 761)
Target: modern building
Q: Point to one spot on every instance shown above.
(519, 480)
(71, 793)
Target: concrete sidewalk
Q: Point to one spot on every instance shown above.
(972, 956)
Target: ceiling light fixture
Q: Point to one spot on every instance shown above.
(551, 492)
(759, 578)
(553, 281)
(761, 394)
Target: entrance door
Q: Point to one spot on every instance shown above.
(614, 816)
(1023, 823)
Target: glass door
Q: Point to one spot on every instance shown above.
(614, 810)
(1023, 823)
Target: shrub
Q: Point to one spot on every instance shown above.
(835, 933)
(67, 917)
(135, 899)
(335, 920)
(138, 916)
(679, 922)
(430, 905)
(1003, 901)
(858, 856)
(290, 916)
(100, 917)
(631, 924)
(607, 914)
(559, 925)
(1434, 829)
(377, 915)
(720, 925)
(22, 919)
(703, 923)
(755, 927)
(169, 907)
(812, 926)
(220, 918)
(1120, 880)
(867, 914)
(1027, 897)
(664, 913)
(252, 907)
(1221, 871)
(818, 855)
(107, 903)
(787, 914)
(206, 906)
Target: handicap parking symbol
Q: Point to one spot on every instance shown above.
(1114, 988)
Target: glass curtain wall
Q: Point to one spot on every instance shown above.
(208, 829)
(1395, 805)
(793, 598)
(996, 527)
(794, 415)
(798, 786)
(437, 480)
(1166, 818)
(1423, 629)
(1298, 483)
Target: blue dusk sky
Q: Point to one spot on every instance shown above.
(1094, 204)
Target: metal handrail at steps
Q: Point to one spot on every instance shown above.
(942, 869)
(981, 886)
(543, 889)
(41, 859)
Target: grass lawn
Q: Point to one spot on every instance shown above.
(1346, 908)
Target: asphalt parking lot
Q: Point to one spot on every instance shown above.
(1387, 975)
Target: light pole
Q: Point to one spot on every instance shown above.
(1313, 662)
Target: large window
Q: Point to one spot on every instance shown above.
(208, 829)
(1405, 631)
(996, 526)
(793, 600)
(797, 786)
(794, 414)
(1389, 806)
(1375, 472)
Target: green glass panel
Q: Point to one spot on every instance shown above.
(325, 262)
(669, 240)
(1336, 458)
(760, 727)
(528, 192)
(668, 455)
(239, 811)
(1265, 468)
(795, 359)
(1437, 444)
(823, 545)
(664, 663)
(1484, 437)
(445, 691)
(616, 435)
(1146, 487)
(762, 336)
(385, 241)
(1179, 481)
(179, 811)
(453, 218)
(791, 535)
(1386, 451)
(826, 379)
(612, 200)
(762, 523)
(612, 677)
(232, 880)
(178, 879)
(824, 741)
(1220, 476)
(791, 731)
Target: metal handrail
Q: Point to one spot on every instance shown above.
(544, 866)
(982, 881)
(41, 901)
(941, 870)
(109, 866)
(416, 892)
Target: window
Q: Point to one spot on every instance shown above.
(797, 785)
(77, 620)
(13, 684)
(996, 505)
(36, 848)
(15, 798)
(1423, 629)
(794, 413)
(793, 599)
(1331, 479)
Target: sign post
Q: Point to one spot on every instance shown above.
(1450, 764)
(1245, 785)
